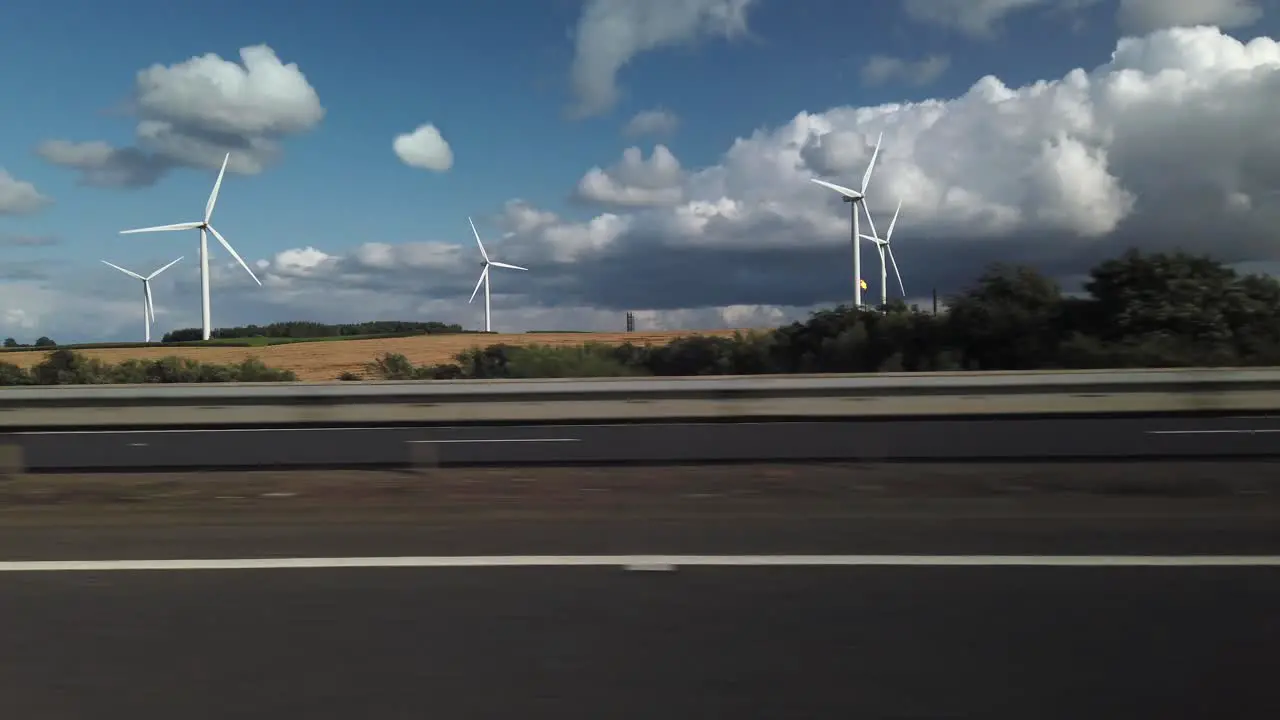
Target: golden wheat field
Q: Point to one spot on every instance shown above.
(328, 360)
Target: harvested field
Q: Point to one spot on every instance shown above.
(328, 360)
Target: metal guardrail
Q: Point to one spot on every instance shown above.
(811, 396)
(746, 384)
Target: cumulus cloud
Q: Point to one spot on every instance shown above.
(880, 69)
(1057, 173)
(652, 122)
(424, 148)
(18, 197)
(634, 181)
(192, 113)
(610, 33)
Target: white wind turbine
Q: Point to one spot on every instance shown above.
(856, 198)
(148, 306)
(484, 275)
(886, 249)
(204, 226)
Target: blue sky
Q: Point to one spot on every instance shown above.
(495, 78)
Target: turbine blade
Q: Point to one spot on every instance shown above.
(894, 263)
(130, 273)
(889, 234)
(483, 254)
(838, 188)
(234, 254)
(483, 274)
(505, 265)
(151, 305)
(164, 228)
(166, 267)
(866, 177)
(213, 196)
(867, 211)
(871, 238)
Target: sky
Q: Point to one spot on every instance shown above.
(652, 156)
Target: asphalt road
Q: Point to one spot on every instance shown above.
(898, 642)
(966, 439)
(922, 639)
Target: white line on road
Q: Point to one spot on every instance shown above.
(647, 561)
(1245, 431)
(493, 440)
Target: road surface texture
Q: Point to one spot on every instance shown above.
(965, 439)
(927, 636)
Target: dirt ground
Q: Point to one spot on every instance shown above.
(327, 360)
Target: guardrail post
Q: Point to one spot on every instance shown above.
(424, 458)
(12, 462)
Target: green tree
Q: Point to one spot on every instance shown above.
(1011, 319)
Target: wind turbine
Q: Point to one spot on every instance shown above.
(855, 198)
(484, 275)
(204, 226)
(886, 248)
(148, 307)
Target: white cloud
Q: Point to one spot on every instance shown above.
(610, 33)
(880, 69)
(635, 181)
(194, 112)
(1140, 16)
(424, 148)
(652, 122)
(18, 197)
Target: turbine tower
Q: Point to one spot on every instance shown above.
(856, 198)
(885, 248)
(484, 276)
(203, 226)
(148, 307)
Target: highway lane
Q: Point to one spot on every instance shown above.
(966, 439)
(531, 643)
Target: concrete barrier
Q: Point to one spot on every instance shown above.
(597, 400)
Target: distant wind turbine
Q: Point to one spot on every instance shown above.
(885, 248)
(484, 276)
(203, 226)
(148, 306)
(856, 198)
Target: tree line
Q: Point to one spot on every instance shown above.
(68, 367)
(1138, 310)
(306, 329)
(40, 342)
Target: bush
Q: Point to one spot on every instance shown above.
(67, 367)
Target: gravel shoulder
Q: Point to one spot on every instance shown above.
(817, 490)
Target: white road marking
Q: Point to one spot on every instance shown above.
(492, 440)
(646, 561)
(1244, 431)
